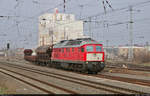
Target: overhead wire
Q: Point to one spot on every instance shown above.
(109, 11)
(52, 8)
(119, 9)
(93, 15)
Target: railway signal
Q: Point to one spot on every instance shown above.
(8, 46)
(64, 6)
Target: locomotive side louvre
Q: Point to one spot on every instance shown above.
(68, 54)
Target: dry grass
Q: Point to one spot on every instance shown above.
(3, 90)
(146, 64)
(143, 57)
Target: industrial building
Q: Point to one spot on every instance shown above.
(54, 27)
(121, 52)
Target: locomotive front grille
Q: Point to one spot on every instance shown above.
(94, 57)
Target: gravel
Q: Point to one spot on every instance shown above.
(83, 89)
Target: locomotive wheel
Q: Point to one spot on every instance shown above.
(47, 64)
(91, 72)
(70, 67)
(95, 72)
(74, 67)
(51, 64)
(43, 63)
(38, 63)
(57, 65)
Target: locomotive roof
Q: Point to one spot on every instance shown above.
(75, 43)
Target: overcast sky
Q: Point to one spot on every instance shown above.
(21, 28)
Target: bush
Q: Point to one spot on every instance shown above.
(142, 57)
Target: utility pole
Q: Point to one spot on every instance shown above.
(52, 38)
(51, 35)
(64, 33)
(147, 48)
(81, 6)
(7, 51)
(107, 43)
(90, 32)
(64, 6)
(130, 52)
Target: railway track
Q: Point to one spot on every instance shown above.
(130, 67)
(45, 90)
(28, 83)
(124, 79)
(83, 82)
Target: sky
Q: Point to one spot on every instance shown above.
(20, 29)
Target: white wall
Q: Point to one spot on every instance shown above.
(62, 26)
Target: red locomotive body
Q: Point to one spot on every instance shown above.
(84, 54)
(81, 54)
(74, 54)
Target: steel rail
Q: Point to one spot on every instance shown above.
(136, 69)
(97, 83)
(35, 71)
(42, 89)
(125, 79)
(46, 83)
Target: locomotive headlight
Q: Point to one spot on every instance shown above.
(87, 62)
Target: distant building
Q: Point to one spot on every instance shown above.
(111, 52)
(122, 51)
(56, 26)
(2, 53)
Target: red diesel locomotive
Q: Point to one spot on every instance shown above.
(83, 54)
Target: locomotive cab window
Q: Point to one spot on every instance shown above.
(98, 48)
(89, 48)
(82, 49)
